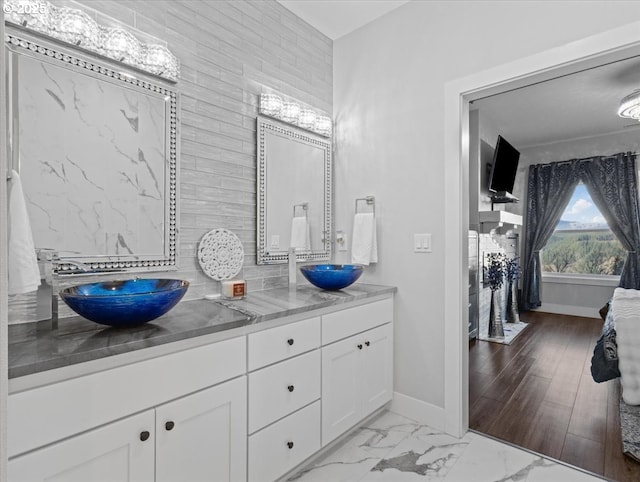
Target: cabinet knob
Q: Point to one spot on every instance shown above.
(359, 346)
(290, 444)
(169, 425)
(367, 343)
(290, 388)
(290, 341)
(144, 435)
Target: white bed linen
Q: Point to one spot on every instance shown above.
(626, 316)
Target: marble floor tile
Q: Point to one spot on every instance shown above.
(426, 454)
(345, 463)
(393, 448)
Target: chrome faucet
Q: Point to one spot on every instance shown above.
(47, 258)
(292, 268)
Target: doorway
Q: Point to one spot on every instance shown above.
(596, 50)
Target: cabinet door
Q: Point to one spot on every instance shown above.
(115, 452)
(340, 387)
(203, 436)
(376, 368)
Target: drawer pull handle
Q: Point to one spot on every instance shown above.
(290, 444)
(367, 343)
(290, 341)
(144, 436)
(359, 346)
(169, 425)
(291, 388)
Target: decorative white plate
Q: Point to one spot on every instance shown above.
(220, 254)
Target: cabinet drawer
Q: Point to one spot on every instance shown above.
(52, 412)
(342, 324)
(276, 344)
(279, 448)
(278, 390)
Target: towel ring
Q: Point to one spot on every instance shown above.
(369, 200)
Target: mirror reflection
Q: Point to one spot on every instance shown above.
(96, 156)
(294, 193)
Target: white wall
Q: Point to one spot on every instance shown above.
(389, 79)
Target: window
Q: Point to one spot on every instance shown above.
(582, 242)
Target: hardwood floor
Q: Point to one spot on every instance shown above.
(538, 393)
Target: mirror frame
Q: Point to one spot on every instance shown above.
(267, 125)
(20, 42)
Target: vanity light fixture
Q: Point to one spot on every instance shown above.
(120, 45)
(271, 105)
(158, 60)
(75, 26)
(323, 125)
(34, 14)
(291, 112)
(307, 119)
(630, 106)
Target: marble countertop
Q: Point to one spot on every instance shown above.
(35, 348)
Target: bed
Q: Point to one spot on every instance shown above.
(616, 355)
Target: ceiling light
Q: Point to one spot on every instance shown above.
(630, 106)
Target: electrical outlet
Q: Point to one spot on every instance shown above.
(422, 243)
(275, 241)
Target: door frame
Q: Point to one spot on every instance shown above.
(592, 51)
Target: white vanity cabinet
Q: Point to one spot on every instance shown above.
(284, 394)
(203, 436)
(197, 437)
(357, 371)
(250, 408)
(188, 423)
(115, 451)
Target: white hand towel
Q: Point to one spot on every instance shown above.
(24, 275)
(300, 233)
(364, 242)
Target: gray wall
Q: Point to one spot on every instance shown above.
(230, 51)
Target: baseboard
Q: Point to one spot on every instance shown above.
(418, 410)
(584, 311)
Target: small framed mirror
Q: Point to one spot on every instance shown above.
(294, 205)
(95, 145)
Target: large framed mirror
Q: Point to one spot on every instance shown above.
(295, 184)
(95, 145)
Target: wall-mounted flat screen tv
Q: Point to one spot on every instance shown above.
(503, 169)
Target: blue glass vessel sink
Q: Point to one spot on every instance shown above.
(332, 276)
(125, 303)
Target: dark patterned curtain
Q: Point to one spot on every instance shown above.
(613, 185)
(549, 190)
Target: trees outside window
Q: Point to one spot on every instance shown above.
(582, 242)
